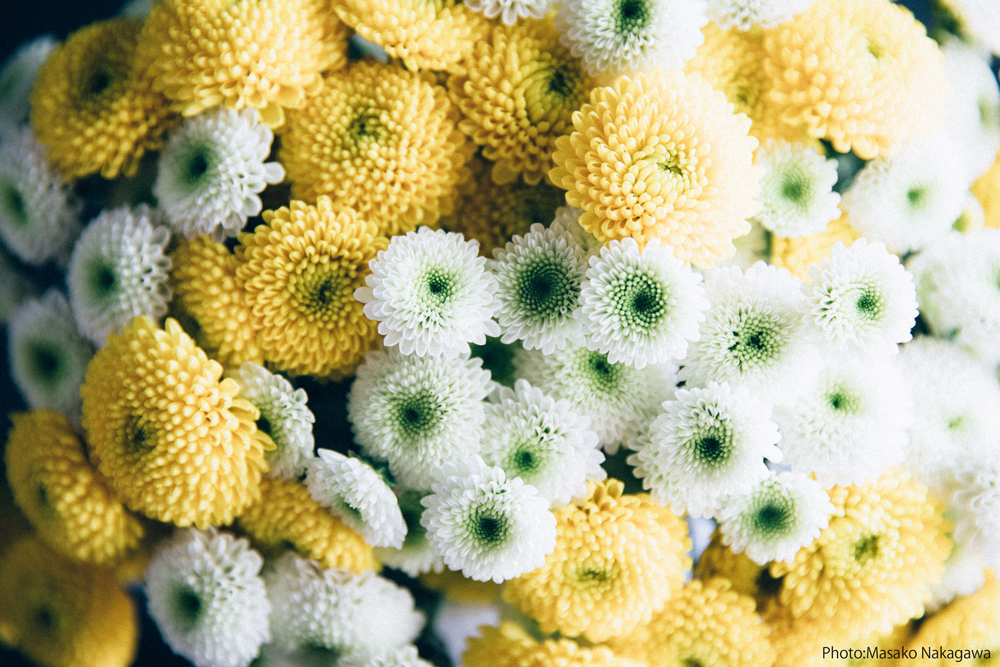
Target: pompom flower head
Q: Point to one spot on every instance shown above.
(973, 108)
(796, 190)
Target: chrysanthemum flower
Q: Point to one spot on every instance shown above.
(973, 108)
(860, 73)
(119, 271)
(211, 171)
(60, 493)
(404, 656)
(284, 416)
(685, 173)
(510, 646)
(299, 272)
(617, 560)
(518, 95)
(873, 566)
(17, 77)
(48, 357)
(91, 109)
(747, 14)
(797, 255)
(64, 613)
(172, 440)
(266, 55)
(38, 211)
(797, 189)
(207, 598)
(416, 556)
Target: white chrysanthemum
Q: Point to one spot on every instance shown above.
(211, 171)
(781, 515)
(119, 270)
(973, 108)
(641, 307)
(539, 277)
(706, 445)
(510, 11)
(567, 219)
(207, 598)
(619, 399)
(48, 356)
(747, 14)
(418, 412)
(15, 286)
(284, 416)
(979, 19)
(542, 441)
(486, 525)
(796, 192)
(430, 293)
(39, 214)
(334, 614)
(851, 424)
(754, 335)
(354, 491)
(17, 78)
(975, 505)
(750, 248)
(910, 200)
(964, 574)
(618, 36)
(416, 556)
(862, 297)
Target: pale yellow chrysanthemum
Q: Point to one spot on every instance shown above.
(510, 646)
(518, 95)
(662, 156)
(287, 517)
(457, 587)
(860, 73)
(746, 577)
(617, 560)
(798, 254)
(704, 624)
(264, 54)
(987, 191)
(90, 109)
(874, 566)
(58, 490)
(382, 141)
(801, 643)
(170, 438)
(211, 306)
(63, 613)
(298, 273)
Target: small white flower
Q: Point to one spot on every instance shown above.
(972, 108)
(48, 356)
(539, 277)
(567, 219)
(511, 10)
(862, 297)
(617, 36)
(784, 513)
(796, 192)
(641, 307)
(486, 525)
(431, 294)
(354, 491)
(284, 416)
(707, 444)
(17, 78)
(207, 598)
(416, 556)
(15, 286)
(404, 656)
(418, 412)
(211, 171)
(746, 14)
(119, 270)
(39, 214)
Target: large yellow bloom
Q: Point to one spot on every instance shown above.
(265, 54)
(617, 560)
(59, 492)
(987, 191)
(380, 140)
(662, 156)
(518, 95)
(861, 73)
(299, 273)
(63, 613)
(90, 109)
(510, 646)
(798, 254)
(171, 439)
(799, 643)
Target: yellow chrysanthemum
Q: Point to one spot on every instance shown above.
(987, 191)
(382, 141)
(662, 155)
(58, 490)
(62, 613)
(800, 643)
(704, 624)
(518, 95)
(873, 566)
(298, 273)
(455, 586)
(617, 560)
(798, 254)
(172, 440)
(287, 517)
(203, 278)
(746, 577)
(861, 73)
(510, 646)
(90, 109)
(265, 54)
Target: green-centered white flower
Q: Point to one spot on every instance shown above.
(796, 192)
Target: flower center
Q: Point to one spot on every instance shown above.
(139, 438)
(869, 303)
(526, 457)
(320, 292)
(46, 363)
(774, 517)
(46, 620)
(842, 400)
(188, 606)
(756, 341)
(546, 287)
(865, 549)
(436, 288)
(602, 375)
(712, 448)
(488, 526)
(916, 196)
(418, 413)
(196, 164)
(13, 203)
(98, 82)
(692, 662)
(630, 16)
(640, 301)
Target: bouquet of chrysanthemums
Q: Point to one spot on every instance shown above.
(509, 333)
